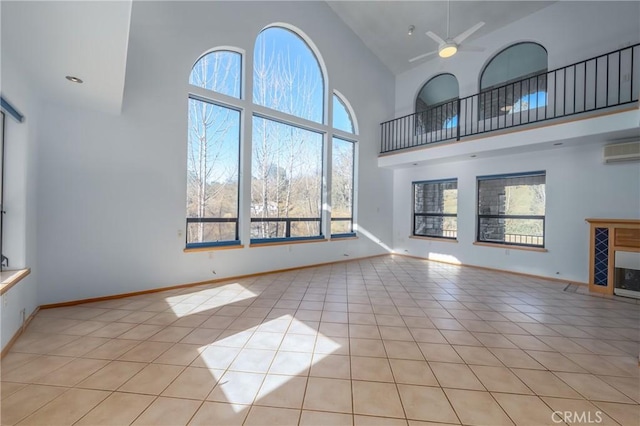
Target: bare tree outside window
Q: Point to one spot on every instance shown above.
(286, 187)
(287, 145)
(213, 152)
(342, 186)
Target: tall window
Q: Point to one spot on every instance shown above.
(286, 164)
(342, 187)
(435, 208)
(290, 137)
(514, 80)
(511, 209)
(437, 104)
(286, 184)
(213, 151)
(343, 153)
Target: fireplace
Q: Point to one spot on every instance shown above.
(627, 274)
(614, 258)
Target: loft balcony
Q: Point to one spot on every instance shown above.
(592, 97)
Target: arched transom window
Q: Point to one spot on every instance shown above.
(514, 80)
(437, 104)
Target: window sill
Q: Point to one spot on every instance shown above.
(213, 247)
(10, 278)
(280, 242)
(511, 247)
(445, 240)
(342, 237)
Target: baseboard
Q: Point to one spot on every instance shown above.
(486, 268)
(214, 281)
(18, 333)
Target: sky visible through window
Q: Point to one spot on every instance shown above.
(286, 75)
(341, 118)
(218, 71)
(286, 156)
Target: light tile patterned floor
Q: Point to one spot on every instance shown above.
(381, 341)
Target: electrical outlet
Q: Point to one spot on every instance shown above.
(179, 232)
(4, 300)
(506, 252)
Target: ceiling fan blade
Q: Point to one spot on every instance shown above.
(467, 48)
(461, 37)
(417, 58)
(436, 37)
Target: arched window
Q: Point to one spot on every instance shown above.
(287, 75)
(437, 104)
(290, 137)
(341, 117)
(213, 152)
(286, 162)
(514, 80)
(218, 71)
(342, 170)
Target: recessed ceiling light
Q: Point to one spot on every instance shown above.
(557, 144)
(411, 29)
(74, 79)
(473, 156)
(415, 164)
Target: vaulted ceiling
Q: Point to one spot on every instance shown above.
(383, 25)
(89, 39)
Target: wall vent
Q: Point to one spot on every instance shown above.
(628, 151)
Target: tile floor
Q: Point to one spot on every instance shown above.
(381, 341)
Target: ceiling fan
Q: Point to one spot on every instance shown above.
(449, 46)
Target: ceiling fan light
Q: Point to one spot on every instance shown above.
(447, 50)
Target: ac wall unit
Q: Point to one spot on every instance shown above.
(628, 151)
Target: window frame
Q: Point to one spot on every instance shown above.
(442, 215)
(352, 232)
(480, 216)
(219, 243)
(249, 110)
(321, 234)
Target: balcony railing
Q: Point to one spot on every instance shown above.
(601, 82)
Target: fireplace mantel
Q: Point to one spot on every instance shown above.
(606, 237)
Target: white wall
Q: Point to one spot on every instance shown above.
(570, 31)
(113, 188)
(19, 198)
(578, 186)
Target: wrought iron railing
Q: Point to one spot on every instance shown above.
(600, 82)
(530, 240)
